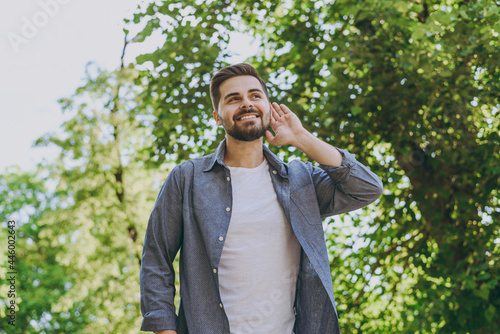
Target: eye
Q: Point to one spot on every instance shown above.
(232, 99)
(256, 96)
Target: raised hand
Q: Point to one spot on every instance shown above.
(286, 126)
(288, 130)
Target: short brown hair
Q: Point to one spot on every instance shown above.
(230, 72)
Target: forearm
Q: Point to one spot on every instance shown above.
(166, 331)
(321, 152)
(157, 293)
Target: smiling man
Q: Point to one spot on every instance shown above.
(253, 257)
(243, 122)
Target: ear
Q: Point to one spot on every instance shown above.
(216, 117)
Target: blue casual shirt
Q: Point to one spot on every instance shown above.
(192, 213)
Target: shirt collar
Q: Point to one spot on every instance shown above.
(272, 159)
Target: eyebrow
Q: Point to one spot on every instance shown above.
(236, 93)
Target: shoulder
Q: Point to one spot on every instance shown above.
(293, 168)
(191, 167)
(299, 167)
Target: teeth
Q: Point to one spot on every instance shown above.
(248, 117)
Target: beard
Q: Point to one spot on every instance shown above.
(248, 131)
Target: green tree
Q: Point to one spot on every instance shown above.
(79, 253)
(412, 89)
(24, 198)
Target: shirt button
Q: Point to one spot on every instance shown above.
(274, 172)
(215, 271)
(228, 178)
(221, 238)
(228, 209)
(220, 305)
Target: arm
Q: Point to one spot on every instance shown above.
(161, 244)
(346, 188)
(342, 184)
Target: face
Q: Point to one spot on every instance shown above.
(243, 108)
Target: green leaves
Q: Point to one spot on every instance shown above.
(82, 245)
(410, 88)
(393, 82)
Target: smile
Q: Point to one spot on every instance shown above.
(247, 117)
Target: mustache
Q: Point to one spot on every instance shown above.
(249, 111)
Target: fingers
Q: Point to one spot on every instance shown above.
(273, 121)
(274, 112)
(279, 109)
(285, 109)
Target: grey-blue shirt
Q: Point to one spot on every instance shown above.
(192, 213)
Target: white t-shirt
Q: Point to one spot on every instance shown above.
(259, 264)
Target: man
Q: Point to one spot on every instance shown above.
(253, 257)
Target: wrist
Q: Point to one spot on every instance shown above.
(303, 139)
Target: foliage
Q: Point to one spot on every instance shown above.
(412, 89)
(80, 251)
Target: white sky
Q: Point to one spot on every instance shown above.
(50, 65)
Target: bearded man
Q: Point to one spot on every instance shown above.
(253, 257)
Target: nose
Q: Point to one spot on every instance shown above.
(246, 103)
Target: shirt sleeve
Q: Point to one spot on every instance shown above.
(345, 188)
(161, 244)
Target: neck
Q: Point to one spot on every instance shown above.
(248, 154)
